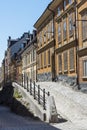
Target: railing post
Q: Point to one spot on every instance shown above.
(27, 84)
(44, 103)
(34, 91)
(30, 87)
(48, 93)
(38, 94)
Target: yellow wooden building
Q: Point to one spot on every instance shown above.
(62, 42)
(66, 43)
(46, 46)
(82, 42)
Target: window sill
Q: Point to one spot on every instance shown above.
(71, 70)
(60, 72)
(49, 65)
(84, 39)
(59, 42)
(84, 77)
(45, 66)
(71, 35)
(65, 71)
(42, 67)
(64, 39)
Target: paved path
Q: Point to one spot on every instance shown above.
(11, 121)
(70, 104)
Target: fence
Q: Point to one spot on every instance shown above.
(35, 90)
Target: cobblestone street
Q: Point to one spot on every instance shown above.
(11, 121)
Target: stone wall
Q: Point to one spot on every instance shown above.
(83, 87)
(66, 79)
(44, 77)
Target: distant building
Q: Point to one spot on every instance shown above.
(29, 57)
(0, 74)
(14, 46)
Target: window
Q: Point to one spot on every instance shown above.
(60, 62)
(65, 61)
(71, 58)
(64, 4)
(48, 57)
(38, 57)
(25, 61)
(34, 55)
(41, 60)
(64, 29)
(31, 55)
(85, 68)
(59, 11)
(40, 39)
(59, 32)
(84, 26)
(45, 58)
(49, 31)
(70, 1)
(52, 28)
(70, 24)
(29, 58)
(44, 36)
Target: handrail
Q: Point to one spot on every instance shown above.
(35, 90)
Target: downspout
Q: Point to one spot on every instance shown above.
(76, 44)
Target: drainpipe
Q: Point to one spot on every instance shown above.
(76, 45)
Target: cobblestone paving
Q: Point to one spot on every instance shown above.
(11, 121)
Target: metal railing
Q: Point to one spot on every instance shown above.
(39, 94)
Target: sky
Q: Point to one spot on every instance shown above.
(17, 17)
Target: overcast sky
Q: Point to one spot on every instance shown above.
(17, 17)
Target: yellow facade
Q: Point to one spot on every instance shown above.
(45, 51)
(66, 68)
(68, 48)
(82, 39)
(29, 62)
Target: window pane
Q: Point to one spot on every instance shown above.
(84, 25)
(64, 29)
(70, 24)
(45, 58)
(58, 11)
(60, 62)
(41, 60)
(70, 1)
(64, 4)
(85, 68)
(59, 33)
(65, 61)
(71, 58)
(48, 57)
